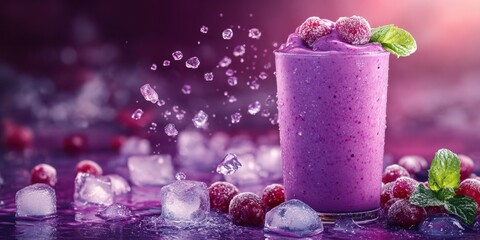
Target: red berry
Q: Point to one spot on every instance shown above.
(404, 214)
(413, 164)
(354, 30)
(403, 187)
(88, 166)
(312, 29)
(393, 172)
(118, 141)
(387, 193)
(221, 193)
(44, 173)
(272, 196)
(466, 166)
(246, 209)
(471, 188)
(389, 204)
(17, 137)
(75, 143)
(435, 210)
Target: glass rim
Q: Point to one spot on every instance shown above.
(330, 53)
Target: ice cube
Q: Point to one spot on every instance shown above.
(204, 29)
(149, 93)
(254, 33)
(170, 130)
(177, 55)
(186, 89)
(269, 159)
(185, 201)
(293, 218)
(151, 170)
(227, 34)
(208, 76)
(254, 107)
(92, 190)
(37, 200)
(119, 184)
(200, 119)
(236, 117)
(135, 146)
(232, 80)
(346, 225)
(229, 164)
(116, 211)
(249, 174)
(225, 62)
(192, 62)
(442, 226)
(137, 114)
(239, 50)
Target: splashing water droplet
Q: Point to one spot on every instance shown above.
(269, 101)
(177, 55)
(229, 164)
(232, 81)
(180, 115)
(180, 176)
(300, 133)
(153, 67)
(239, 50)
(225, 62)
(200, 119)
(170, 130)
(186, 89)
(192, 62)
(267, 65)
(227, 34)
(204, 29)
(160, 102)
(254, 33)
(254, 107)
(263, 75)
(274, 119)
(166, 63)
(229, 72)
(149, 93)
(254, 85)
(137, 114)
(208, 76)
(236, 117)
(265, 113)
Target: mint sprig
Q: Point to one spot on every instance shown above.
(443, 180)
(394, 39)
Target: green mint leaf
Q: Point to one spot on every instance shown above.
(394, 40)
(445, 193)
(424, 197)
(462, 206)
(444, 171)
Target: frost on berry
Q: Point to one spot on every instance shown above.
(354, 30)
(404, 214)
(273, 195)
(312, 29)
(221, 193)
(387, 193)
(89, 166)
(403, 187)
(44, 173)
(246, 210)
(466, 166)
(471, 188)
(393, 172)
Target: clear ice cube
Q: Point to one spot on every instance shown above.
(239, 50)
(254, 107)
(254, 33)
(204, 29)
(149, 93)
(249, 174)
(119, 184)
(137, 114)
(170, 130)
(236, 117)
(116, 211)
(177, 55)
(185, 201)
(293, 218)
(225, 62)
(227, 34)
(37, 200)
(229, 164)
(441, 226)
(200, 119)
(92, 190)
(135, 146)
(151, 170)
(208, 76)
(192, 62)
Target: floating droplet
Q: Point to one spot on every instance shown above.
(177, 55)
(225, 62)
(166, 63)
(200, 119)
(180, 176)
(137, 114)
(254, 33)
(153, 67)
(232, 81)
(229, 164)
(232, 99)
(204, 29)
(239, 50)
(149, 93)
(192, 62)
(227, 34)
(160, 102)
(254, 107)
(170, 130)
(208, 76)
(186, 89)
(254, 85)
(265, 113)
(263, 75)
(236, 117)
(229, 72)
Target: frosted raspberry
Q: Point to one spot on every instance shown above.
(466, 166)
(88, 166)
(221, 193)
(312, 29)
(404, 214)
(389, 204)
(393, 172)
(354, 30)
(387, 193)
(403, 187)
(17, 137)
(471, 188)
(272, 196)
(435, 210)
(246, 209)
(44, 173)
(413, 164)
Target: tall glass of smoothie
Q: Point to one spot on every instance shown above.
(332, 99)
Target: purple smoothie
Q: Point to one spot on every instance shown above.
(332, 111)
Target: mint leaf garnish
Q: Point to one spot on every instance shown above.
(445, 193)
(444, 171)
(394, 40)
(462, 206)
(424, 197)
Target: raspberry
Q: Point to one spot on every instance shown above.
(75, 143)
(403, 187)
(221, 193)
(393, 172)
(246, 210)
(471, 188)
(88, 166)
(433, 210)
(272, 196)
(413, 164)
(406, 215)
(389, 204)
(312, 29)
(354, 30)
(387, 193)
(17, 137)
(466, 166)
(44, 173)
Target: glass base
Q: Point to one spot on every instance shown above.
(358, 217)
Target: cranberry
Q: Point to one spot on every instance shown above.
(466, 166)
(44, 173)
(413, 164)
(118, 141)
(404, 214)
(246, 209)
(272, 196)
(403, 187)
(354, 30)
(75, 143)
(393, 172)
(471, 188)
(88, 166)
(387, 193)
(16, 137)
(433, 210)
(221, 193)
(312, 29)
(389, 204)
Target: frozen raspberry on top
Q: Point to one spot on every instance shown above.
(466, 166)
(246, 209)
(389, 204)
(471, 188)
(272, 196)
(413, 164)
(404, 214)
(387, 193)
(88, 166)
(393, 172)
(403, 187)
(312, 29)
(221, 193)
(44, 173)
(354, 30)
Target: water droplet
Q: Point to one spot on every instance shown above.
(200, 119)
(186, 89)
(153, 67)
(160, 102)
(225, 62)
(170, 130)
(204, 29)
(229, 72)
(192, 62)
(232, 81)
(149, 93)
(177, 55)
(180, 115)
(232, 99)
(269, 101)
(254, 85)
(254, 33)
(227, 34)
(137, 114)
(176, 108)
(267, 65)
(302, 114)
(229, 164)
(236, 117)
(166, 63)
(263, 75)
(274, 119)
(208, 76)
(265, 113)
(239, 50)
(254, 107)
(300, 133)
(180, 176)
